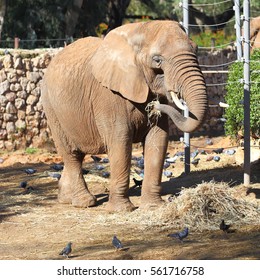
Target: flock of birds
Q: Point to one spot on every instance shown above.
(117, 244)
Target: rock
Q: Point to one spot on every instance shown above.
(33, 76)
(20, 103)
(18, 64)
(8, 62)
(10, 96)
(10, 108)
(4, 86)
(12, 77)
(15, 87)
(3, 76)
(32, 100)
(10, 128)
(20, 125)
(3, 134)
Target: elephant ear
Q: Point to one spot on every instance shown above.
(114, 65)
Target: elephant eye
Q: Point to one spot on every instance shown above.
(157, 61)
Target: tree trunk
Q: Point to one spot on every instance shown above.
(2, 15)
(71, 17)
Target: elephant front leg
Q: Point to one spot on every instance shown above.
(155, 148)
(120, 161)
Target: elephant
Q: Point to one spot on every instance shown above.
(101, 95)
(255, 33)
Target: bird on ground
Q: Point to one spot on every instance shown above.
(30, 171)
(180, 235)
(166, 165)
(195, 161)
(105, 174)
(218, 151)
(209, 158)
(167, 173)
(23, 184)
(66, 251)
(54, 175)
(224, 226)
(117, 243)
(105, 160)
(216, 158)
(172, 159)
(138, 183)
(27, 190)
(57, 167)
(100, 167)
(179, 154)
(230, 152)
(194, 154)
(170, 198)
(209, 141)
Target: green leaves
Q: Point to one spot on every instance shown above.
(235, 95)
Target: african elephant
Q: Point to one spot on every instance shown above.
(255, 32)
(96, 94)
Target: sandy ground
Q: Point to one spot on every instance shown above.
(34, 226)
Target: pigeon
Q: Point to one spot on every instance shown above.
(203, 152)
(209, 141)
(166, 165)
(23, 184)
(57, 167)
(180, 235)
(1, 160)
(218, 151)
(170, 198)
(96, 159)
(224, 226)
(229, 152)
(195, 161)
(117, 243)
(172, 159)
(179, 154)
(167, 173)
(100, 167)
(30, 171)
(105, 174)
(105, 160)
(194, 154)
(216, 158)
(28, 190)
(54, 175)
(66, 251)
(140, 163)
(138, 183)
(140, 172)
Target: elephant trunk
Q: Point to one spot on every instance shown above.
(192, 89)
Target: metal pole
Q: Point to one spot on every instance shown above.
(246, 46)
(238, 29)
(185, 8)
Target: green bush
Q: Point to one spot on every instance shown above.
(234, 114)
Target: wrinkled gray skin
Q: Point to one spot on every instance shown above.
(95, 92)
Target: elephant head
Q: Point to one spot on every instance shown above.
(155, 58)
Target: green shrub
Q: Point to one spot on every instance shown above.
(234, 114)
(31, 151)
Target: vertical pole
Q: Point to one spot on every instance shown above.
(185, 11)
(16, 43)
(185, 8)
(238, 29)
(246, 26)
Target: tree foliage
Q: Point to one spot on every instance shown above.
(235, 95)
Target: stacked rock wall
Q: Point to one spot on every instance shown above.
(22, 120)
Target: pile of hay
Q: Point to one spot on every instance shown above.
(199, 208)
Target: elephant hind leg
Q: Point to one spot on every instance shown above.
(72, 186)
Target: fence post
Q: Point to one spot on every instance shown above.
(185, 9)
(16, 43)
(238, 29)
(246, 60)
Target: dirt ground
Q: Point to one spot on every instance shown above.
(34, 226)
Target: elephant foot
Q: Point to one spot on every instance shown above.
(64, 195)
(150, 202)
(84, 201)
(120, 205)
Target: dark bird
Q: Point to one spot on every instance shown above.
(85, 171)
(105, 160)
(166, 165)
(138, 183)
(54, 175)
(216, 158)
(96, 159)
(100, 167)
(224, 226)
(180, 235)
(172, 159)
(57, 167)
(167, 173)
(28, 190)
(30, 171)
(218, 151)
(23, 184)
(117, 243)
(67, 250)
(209, 141)
(230, 152)
(195, 161)
(170, 198)
(105, 174)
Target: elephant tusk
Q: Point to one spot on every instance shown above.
(176, 100)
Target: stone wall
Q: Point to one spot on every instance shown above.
(22, 120)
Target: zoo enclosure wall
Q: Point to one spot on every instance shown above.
(22, 120)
